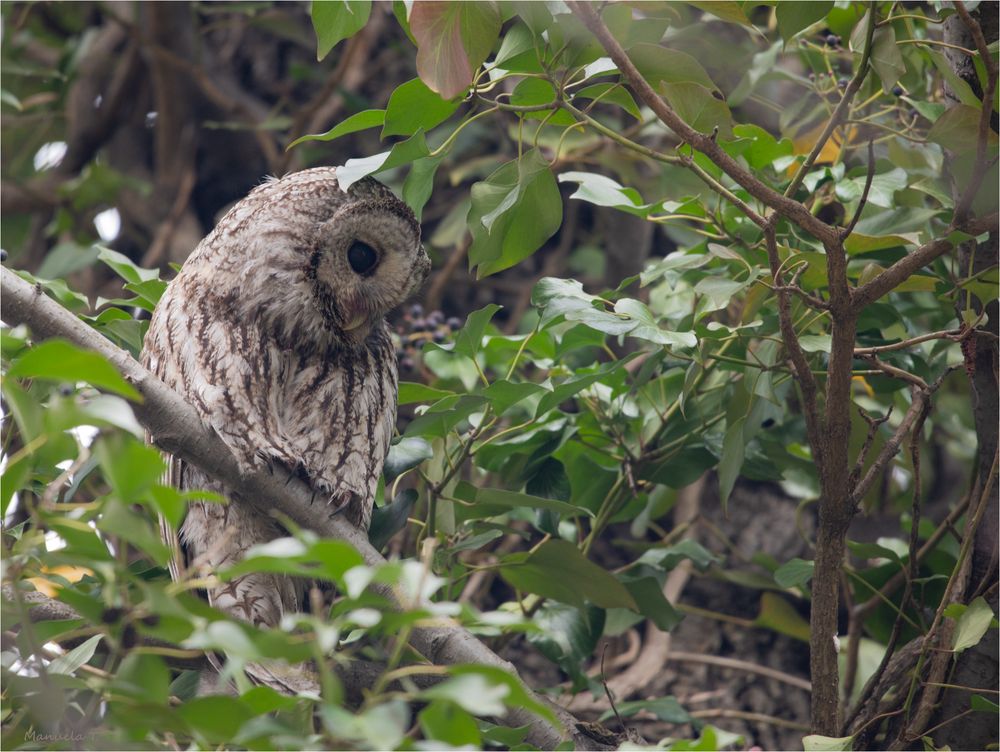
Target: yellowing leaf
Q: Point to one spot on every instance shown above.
(830, 153)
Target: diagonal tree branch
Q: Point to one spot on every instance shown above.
(896, 274)
(176, 428)
(704, 143)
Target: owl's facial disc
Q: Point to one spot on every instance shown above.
(367, 260)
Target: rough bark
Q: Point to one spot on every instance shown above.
(977, 667)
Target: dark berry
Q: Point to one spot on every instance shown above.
(3, 255)
(832, 40)
(65, 390)
(842, 83)
(812, 76)
(897, 91)
(151, 620)
(418, 325)
(129, 637)
(406, 364)
(416, 310)
(454, 323)
(435, 318)
(400, 352)
(440, 336)
(112, 615)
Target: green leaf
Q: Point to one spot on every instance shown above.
(469, 339)
(733, 448)
(410, 392)
(817, 743)
(886, 58)
(473, 693)
(532, 92)
(667, 709)
(402, 153)
(778, 614)
(145, 677)
(958, 129)
(359, 121)
(405, 455)
(795, 15)
(67, 258)
(71, 662)
(726, 10)
(567, 636)
(794, 573)
(718, 291)
(334, 20)
(816, 342)
(663, 65)
(613, 94)
(972, 625)
(517, 696)
(984, 705)
(565, 297)
(390, 519)
(647, 328)
(444, 415)
(572, 386)
(513, 212)
(125, 267)
(59, 361)
(764, 148)
(648, 593)
(505, 394)
(419, 183)
(130, 467)
(488, 502)
(701, 108)
(669, 557)
(603, 191)
(327, 559)
(412, 106)
(453, 39)
(558, 570)
(447, 722)
(216, 717)
(958, 85)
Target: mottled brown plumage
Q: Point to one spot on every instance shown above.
(274, 331)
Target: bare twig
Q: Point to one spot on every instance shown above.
(953, 334)
(738, 665)
(896, 373)
(873, 426)
(803, 373)
(864, 194)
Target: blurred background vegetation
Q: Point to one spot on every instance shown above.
(135, 126)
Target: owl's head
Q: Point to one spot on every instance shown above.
(366, 259)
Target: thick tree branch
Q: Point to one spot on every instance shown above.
(982, 139)
(176, 428)
(896, 274)
(704, 143)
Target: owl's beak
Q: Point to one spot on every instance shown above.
(358, 320)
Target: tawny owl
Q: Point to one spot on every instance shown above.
(274, 331)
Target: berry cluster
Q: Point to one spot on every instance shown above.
(416, 329)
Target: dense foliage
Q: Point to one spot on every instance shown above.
(786, 337)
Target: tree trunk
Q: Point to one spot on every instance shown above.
(977, 667)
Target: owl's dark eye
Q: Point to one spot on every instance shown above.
(362, 257)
